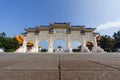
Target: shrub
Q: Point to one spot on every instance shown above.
(44, 50)
(76, 50)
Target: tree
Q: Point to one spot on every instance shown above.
(44, 50)
(10, 44)
(2, 40)
(2, 35)
(107, 43)
(117, 40)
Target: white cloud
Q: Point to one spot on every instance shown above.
(108, 25)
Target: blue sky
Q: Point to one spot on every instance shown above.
(18, 14)
(15, 15)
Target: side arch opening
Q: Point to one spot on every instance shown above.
(29, 46)
(76, 46)
(43, 46)
(89, 45)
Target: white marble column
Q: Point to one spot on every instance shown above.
(94, 44)
(84, 47)
(50, 48)
(95, 40)
(96, 48)
(24, 45)
(36, 44)
(82, 44)
(69, 44)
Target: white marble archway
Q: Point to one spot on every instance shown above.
(63, 31)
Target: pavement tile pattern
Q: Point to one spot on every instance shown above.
(60, 66)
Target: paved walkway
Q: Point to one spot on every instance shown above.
(60, 66)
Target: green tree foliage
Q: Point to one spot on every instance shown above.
(107, 43)
(44, 50)
(2, 35)
(117, 40)
(76, 50)
(9, 44)
(2, 41)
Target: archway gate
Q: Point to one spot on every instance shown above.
(62, 31)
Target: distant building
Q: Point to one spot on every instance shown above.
(59, 49)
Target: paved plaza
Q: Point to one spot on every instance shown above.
(65, 66)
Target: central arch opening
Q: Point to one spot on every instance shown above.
(59, 46)
(76, 46)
